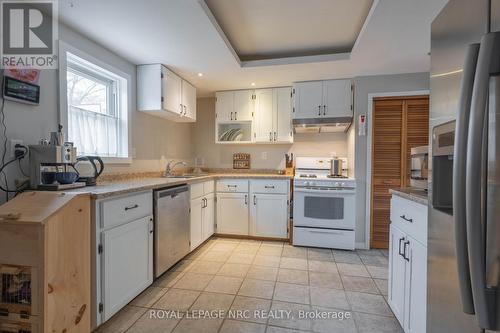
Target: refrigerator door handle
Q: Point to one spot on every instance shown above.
(484, 297)
(459, 170)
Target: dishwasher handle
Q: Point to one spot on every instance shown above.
(171, 191)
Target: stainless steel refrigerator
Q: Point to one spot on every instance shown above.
(463, 271)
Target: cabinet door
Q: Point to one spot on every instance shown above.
(337, 98)
(209, 216)
(189, 100)
(396, 273)
(283, 115)
(269, 215)
(224, 104)
(232, 213)
(127, 263)
(308, 99)
(263, 119)
(171, 91)
(243, 105)
(196, 222)
(416, 288)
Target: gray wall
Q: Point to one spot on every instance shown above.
(369, 85)
(154, 140)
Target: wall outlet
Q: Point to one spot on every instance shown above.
(263, 155)
(13, 144)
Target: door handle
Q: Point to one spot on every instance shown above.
(406, 218)
(459, 171)
(399, 247)
(324, 110)
(319, 110)
(131, 207)
(404, 250)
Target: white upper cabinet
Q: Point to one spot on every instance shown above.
(189, 100)
(308, 99)
(163, 93)
(224, 105)
(264, 113)
(272, 119)
(243, 105)
(234, 106)
(337, 96)
(323, 99)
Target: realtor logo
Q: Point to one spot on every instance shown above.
(28, 32)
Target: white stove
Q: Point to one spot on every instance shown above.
(324, 205)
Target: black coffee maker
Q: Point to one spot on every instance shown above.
(89, 175)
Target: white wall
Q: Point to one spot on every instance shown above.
(362, 87)
(152, 137)
(221, 155)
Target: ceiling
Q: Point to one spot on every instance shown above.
(180, 34)
(263, 29)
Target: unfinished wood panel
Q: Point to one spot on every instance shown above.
(67, 245)
(386, 165)
(417, 130)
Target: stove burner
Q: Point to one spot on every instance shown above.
(308, 176)
(336, 176)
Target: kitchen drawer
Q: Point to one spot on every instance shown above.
(200, 189)
(410, 217)
(124, 209)
(327, 238)
(269, 186)
(208, 187)
(196, 190)
(232, 185)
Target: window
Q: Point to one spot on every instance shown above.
(96, 109)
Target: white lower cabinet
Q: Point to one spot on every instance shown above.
(232, 213)
(408, 264)
(269, 215)
(202, 212)
(128, 263)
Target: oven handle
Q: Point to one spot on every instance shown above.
(348, 190)
(324, 231)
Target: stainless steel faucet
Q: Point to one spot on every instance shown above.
(170, 167)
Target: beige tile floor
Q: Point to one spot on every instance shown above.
(231, 276)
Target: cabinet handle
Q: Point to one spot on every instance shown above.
(236, 115)
(270, 136)
(205, 203)
(246, 199)
(319, 110)
(185, 110)
(254, 200)
(404, 251)
(406, 218)
(399, 247)
(324, 110)
(269, 186)
(231, 116)
(274, 136)
(181, 108)
(131, 207)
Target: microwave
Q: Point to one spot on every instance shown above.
(419, 167)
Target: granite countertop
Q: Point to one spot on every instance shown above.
(111, 188)
(413, 194)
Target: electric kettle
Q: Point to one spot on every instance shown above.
(88, 170)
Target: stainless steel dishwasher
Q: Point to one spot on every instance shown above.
(172, 227)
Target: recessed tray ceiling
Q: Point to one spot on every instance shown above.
(273, 29)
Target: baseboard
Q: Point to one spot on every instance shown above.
(361, 245)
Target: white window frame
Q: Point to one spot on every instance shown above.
(124, 98)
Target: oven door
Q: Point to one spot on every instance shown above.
(324, 208)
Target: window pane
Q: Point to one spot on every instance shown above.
(87, 94)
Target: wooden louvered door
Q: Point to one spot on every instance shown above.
(398, 125)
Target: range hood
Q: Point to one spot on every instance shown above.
(322, 125)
